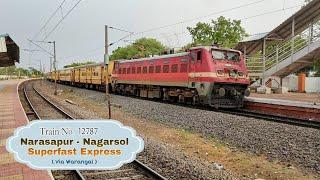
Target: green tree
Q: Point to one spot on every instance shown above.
(13, 70)
(74, 64)
(35, 72)
(143, 47)
(316, 64)
(224, 32)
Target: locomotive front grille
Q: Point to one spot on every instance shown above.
(227, 96)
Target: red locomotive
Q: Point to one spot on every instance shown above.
(203, 75)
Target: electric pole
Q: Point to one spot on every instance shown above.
(55, 68)
(50, 64)
(106, 62)
(41, 72)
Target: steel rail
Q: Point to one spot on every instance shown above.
(274, 118)
(29, 102)
(150, 171)
(139, 164)
(76, 172)
(53, 105)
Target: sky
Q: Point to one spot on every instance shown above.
(80, 35)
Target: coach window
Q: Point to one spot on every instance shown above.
(199, 55)
(165, 68)
(183, 68)
(158, 69)
(119, 70)
(174, 68)
(128, 70)
(139, 70)
(133, 70)
(151, 69)
(124, 70)
(144, 70)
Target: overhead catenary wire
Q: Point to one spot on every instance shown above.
(244, 18)
(200, 17)
(47, 22)
(185, 32)
(100, 48)
(43, 49)
(63, 17)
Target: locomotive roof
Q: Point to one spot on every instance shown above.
(69, 68)
(89, 65)
(214, 47)
(154, 58)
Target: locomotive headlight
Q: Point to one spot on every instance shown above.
(233, 92)
(233, 73)
(240, 74)
(221, 92)
(220, 72)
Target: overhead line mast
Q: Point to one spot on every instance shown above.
(106, 62)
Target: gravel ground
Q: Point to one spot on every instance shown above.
(161, 157)
(287, 143)
(176, 165)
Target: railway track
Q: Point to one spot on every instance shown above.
(258, 115)
(253, 114)
(274, 118)
(48, 110)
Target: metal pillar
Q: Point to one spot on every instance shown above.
(310, 39)
(264, 62)
(277, 57)
(50, 64)
(245, 53)
(55, 68)
(106, 62)
(292, 38)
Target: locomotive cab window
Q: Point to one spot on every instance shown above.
(225, 55)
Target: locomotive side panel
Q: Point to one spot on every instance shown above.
(159, 72)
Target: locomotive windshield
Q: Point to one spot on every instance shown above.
(225, 55)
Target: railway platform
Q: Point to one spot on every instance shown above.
(12, 116)
(287, 105)
(305, 98)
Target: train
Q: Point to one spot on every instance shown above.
(204, 75)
